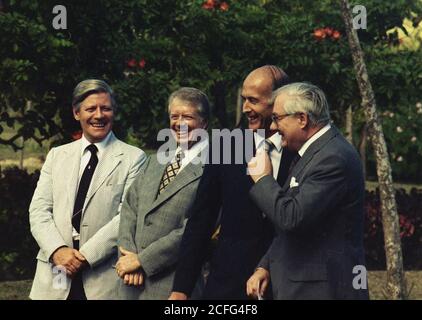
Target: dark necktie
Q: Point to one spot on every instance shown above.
(84, 186)
(295, 160)
(268, 146)
(171, 171)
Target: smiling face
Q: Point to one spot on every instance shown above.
(290, 126)
(256, 94)
(184, 118)
(96, 116)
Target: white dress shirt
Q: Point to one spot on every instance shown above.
(199, 152)
(275, 153)
(85, 156)
(313, 139)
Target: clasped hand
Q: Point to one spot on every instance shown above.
(128, 267)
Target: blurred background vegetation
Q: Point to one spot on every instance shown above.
(146, 49)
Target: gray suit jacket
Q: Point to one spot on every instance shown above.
(51, 211)
(319, 223)
(153, 226)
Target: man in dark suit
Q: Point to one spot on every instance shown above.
(245, 234)
(318, 213)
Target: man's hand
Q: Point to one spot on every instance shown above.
(178, 296)
(127, 263)
(260, 166)
(134, 278)
(258, 283)
(69, 258)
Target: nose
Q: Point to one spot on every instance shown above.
(180, 122)
(245, 107)
(98, 113)
(273, 126)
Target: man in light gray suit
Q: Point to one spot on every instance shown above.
(74, 213)
(318, 213)
(156, 208)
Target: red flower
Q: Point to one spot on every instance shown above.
(77, 135)
(224, 6)
(208, 5)
(131, 63)
(328, 31)
(336, 35)
(319, 34)
(142, 63)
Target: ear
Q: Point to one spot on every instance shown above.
(76, 114)
(204, 124)
(303, 119)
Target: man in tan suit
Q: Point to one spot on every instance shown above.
(74, 213)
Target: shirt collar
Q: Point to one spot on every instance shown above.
(313, 139)
(100, 145)
(194, 150)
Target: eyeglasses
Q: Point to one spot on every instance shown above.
(277, 118)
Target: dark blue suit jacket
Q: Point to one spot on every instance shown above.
(245, 235)
(318, 222)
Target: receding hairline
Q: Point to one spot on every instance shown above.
(275, 76)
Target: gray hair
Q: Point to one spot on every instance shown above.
(307, 98)
(194, 97)
(87, 87)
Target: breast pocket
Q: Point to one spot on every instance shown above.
(112, 196)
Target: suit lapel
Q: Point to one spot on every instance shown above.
(109, 161)
(72, 175)
(189, 173)
(310, 152)
(153, 180)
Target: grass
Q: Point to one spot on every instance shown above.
(19, 290)
(377, 280)
(372, 185)
(15, 290)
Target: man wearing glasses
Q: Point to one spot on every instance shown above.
(318, 212)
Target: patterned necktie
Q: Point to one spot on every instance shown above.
(171, 171)
(84, 186)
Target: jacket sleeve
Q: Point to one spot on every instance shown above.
(103, 244)
(198, 231)
(43, 227)
(301, 207)
(129, 213)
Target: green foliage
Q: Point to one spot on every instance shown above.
(146, 49)
(32, 68)
(17, 247)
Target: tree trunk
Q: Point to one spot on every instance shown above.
(349, 125)
(362, 148)
(395, 280)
